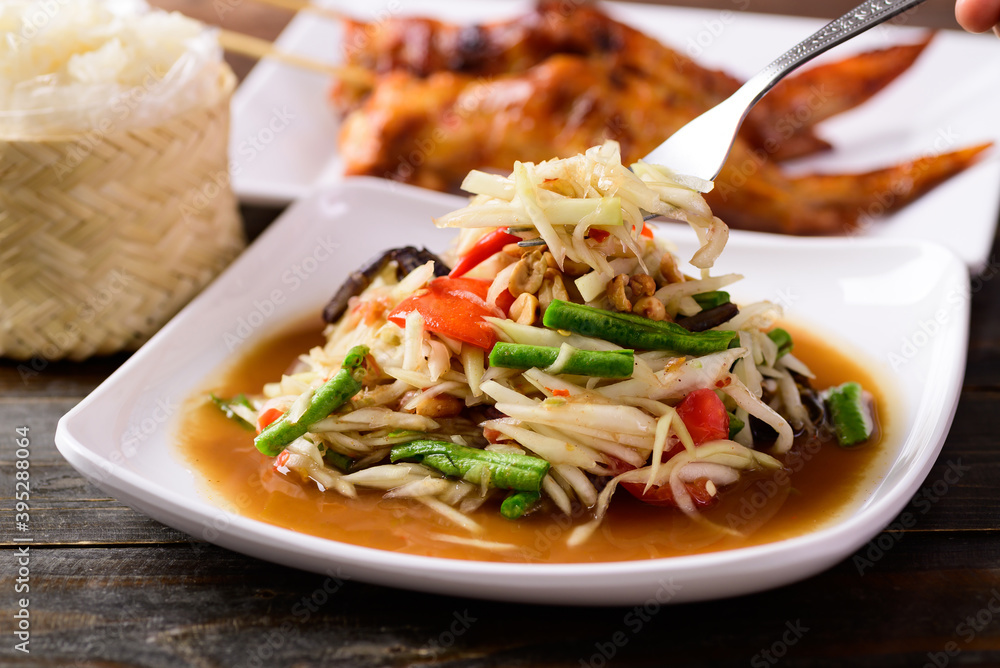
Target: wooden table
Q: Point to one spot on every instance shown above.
(110, 587)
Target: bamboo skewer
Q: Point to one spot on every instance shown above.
(305, 6)
(260, 48)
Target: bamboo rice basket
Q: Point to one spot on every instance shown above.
(106, 234)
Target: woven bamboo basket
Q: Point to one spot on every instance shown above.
(106, 235)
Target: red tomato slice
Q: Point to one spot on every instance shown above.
(706, 419)
(705, 416)
(664, 496)
(453, 307)
(267, 417)
(504, 301)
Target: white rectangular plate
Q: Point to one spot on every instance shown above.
(903, 305)
(284, 132)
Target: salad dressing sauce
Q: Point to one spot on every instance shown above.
(819, 483)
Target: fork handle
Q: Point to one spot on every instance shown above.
(854, 22)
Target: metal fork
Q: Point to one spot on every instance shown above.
(701, 147)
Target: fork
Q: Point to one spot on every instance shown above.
(701, 147)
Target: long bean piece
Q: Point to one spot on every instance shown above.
(330, 396)
(596, 364)
(337, 460)
(227, 408)
(852, 420)
(517, 503)
(735, 425)
(632, 331)
(503, 470)
(782, 339)
(707, 300)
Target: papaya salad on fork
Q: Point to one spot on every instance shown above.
(554, 356)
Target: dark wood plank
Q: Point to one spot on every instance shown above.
(90, 522)
(201, 605)
(257, 218)
(983, 366)
(962, 490)
(40, 416)
(43, 377)
(65, 508)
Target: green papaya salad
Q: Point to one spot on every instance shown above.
(557, 353)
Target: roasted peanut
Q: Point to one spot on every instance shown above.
(669, 269)
(642, 285)
(552, 288)
(528, 274)
(573, 268)
(513, 250)
(616, 293)
(650, 307)
(524, 310)
(440, 406)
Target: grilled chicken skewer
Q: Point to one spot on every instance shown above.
(550, 83)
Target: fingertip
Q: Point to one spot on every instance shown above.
(977, 15)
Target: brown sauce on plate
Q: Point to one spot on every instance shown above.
(819, 484)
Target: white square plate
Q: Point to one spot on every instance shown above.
(284, 132)
(877, 297)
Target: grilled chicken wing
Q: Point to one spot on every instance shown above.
(423, 47)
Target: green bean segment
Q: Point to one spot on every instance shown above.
(632, 331)
(330, 396)
(603, 364)
(707, 300)
(782, 339)
(849, 414)
(337, 460)
(226, 406)
(497, 469)
(518, 503)
(735, 425)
